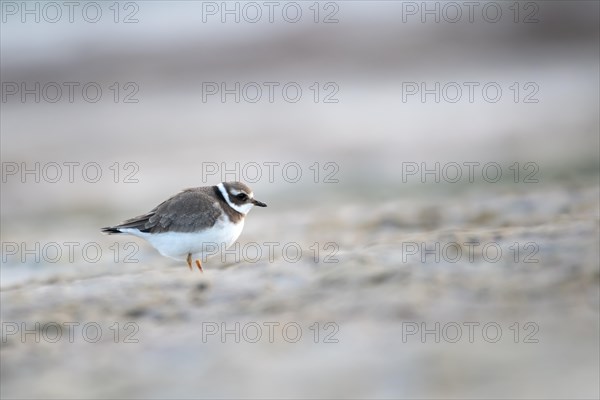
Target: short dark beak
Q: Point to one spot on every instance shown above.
(258, 203)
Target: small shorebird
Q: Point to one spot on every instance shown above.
(182, 226)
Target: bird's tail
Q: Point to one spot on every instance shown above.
(110, 230)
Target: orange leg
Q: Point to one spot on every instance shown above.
(199, 266)
(189, 260)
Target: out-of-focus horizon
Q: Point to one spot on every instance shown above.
(370, 55)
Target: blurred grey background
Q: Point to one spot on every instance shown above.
(164, 56)
(369, 53)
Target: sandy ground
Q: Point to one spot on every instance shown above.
(372, 320)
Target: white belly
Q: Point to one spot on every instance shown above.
(178, 245)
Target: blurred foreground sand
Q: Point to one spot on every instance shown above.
(373, 298)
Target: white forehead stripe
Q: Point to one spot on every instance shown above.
(244, 208)
(235, 192)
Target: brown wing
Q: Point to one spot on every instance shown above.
(188, 211)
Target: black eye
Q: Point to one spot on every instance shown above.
(242, 196)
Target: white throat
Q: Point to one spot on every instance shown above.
(244, 208)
